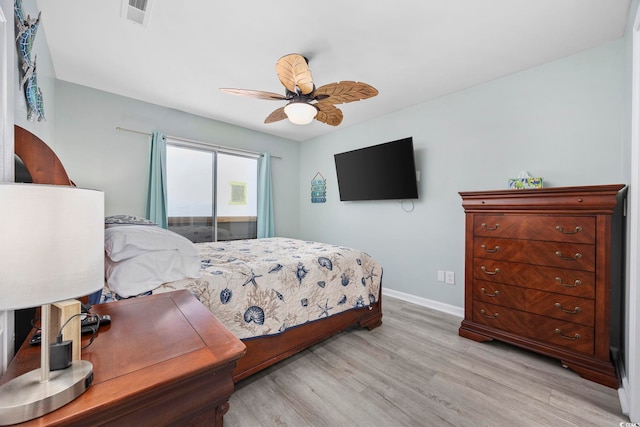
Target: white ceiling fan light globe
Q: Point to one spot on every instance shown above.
(300, 113)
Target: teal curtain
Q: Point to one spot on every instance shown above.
(266, 226)
(157, 195)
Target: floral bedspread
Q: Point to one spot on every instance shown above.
(265, 286)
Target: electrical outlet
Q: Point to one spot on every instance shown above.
(450, 278)
(440, 276)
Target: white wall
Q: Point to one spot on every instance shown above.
(96, 155)
(561, 121)
(7, 65)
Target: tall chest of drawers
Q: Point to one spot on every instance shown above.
(543, 271)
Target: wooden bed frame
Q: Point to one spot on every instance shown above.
(45, 168)
(264, 351)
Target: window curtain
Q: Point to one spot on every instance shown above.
(157, 194)
(265, 224)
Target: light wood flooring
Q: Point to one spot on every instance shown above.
(415, 370)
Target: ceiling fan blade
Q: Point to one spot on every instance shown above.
(293, 71)
(276, 116)
(328, 113)
(343, 92)
(258, 94)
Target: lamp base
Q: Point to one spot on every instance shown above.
(26, 397)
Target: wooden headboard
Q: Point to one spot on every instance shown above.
(40, 160)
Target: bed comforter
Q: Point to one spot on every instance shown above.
(265, 286)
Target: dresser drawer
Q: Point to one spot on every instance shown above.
(504, 318)
(558, 306)
(578, 283)
(576, 229)
(544, 329)
(564, 334)
(554, 254)
(499, 293)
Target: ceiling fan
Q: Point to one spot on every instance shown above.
(307, 102)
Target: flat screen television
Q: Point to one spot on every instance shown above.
(380, 172)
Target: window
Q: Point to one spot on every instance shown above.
(211, 196)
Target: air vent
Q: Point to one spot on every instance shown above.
(136, 10)
(138, 4)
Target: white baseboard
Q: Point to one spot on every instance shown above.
(436, 305)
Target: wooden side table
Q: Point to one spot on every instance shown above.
(163, 360)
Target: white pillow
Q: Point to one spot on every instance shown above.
(147, 271)
(121, 243)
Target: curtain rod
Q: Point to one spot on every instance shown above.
(192, 141)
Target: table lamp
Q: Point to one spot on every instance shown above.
(51, 249)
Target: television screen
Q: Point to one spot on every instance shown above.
(380, 172)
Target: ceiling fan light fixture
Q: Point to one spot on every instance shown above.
(294, 74)
(300, 113)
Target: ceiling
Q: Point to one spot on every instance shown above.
(410, 50)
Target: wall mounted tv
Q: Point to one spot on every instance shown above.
(380, 172)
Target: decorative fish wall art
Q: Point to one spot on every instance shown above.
(26, 29)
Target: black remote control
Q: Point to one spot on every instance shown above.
(92, 320)
(89, 324)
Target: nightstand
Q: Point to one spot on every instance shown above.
(164, 359)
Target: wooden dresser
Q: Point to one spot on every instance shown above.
(543, 272)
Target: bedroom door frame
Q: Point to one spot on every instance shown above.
(630, 391)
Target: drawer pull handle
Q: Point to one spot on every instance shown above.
(560, 229)
(573, 258)
(573, 338)
(488, 316)
(490, 228)
(484, 292)
(495, 249)
(496, 271)
(569, 285)
(574, 311)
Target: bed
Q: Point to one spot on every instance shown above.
(287, 294)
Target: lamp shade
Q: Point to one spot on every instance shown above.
(51, 244)
(300, 113)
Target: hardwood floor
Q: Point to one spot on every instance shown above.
(415, 370)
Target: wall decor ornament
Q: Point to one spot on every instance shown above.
(26, 29)
(318, 189)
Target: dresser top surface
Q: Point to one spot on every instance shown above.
(594, 199)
